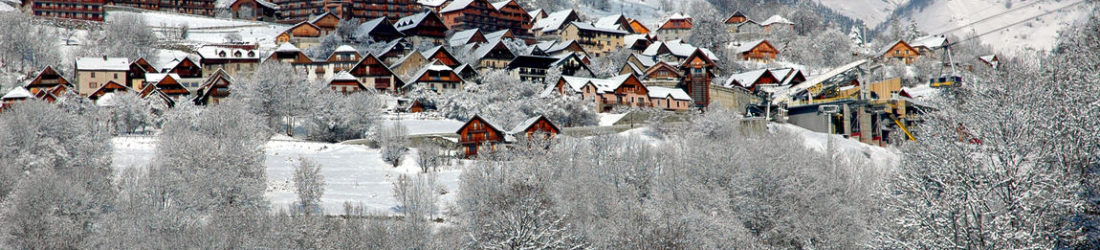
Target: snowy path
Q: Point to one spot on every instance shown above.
(353, 173)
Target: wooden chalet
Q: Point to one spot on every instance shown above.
(150, 92)
(14, 96)
(900, 51)
(413, 106)
(372, 73)
(594, 39)
(88, 10)
(287, 53)
(345, 83)
(425, 26)
(328, 22)
(48, 79)
(439, 78)
(303, 35)
(442, 55)
(481, 14)
(776, 22)
(535, 126)
(255, 10)
(391, 9)
(395, 50)
(379, 29)
(479, 135)
(533, 68)
(467, 72)
(622, 90)
(168, 83)
(185, 68)
(135, 78)
(557, 48)
(235, 60)
(761, 51)
(343, 58)
(500, 35)
(214, 90)
(739, 22)
(662, 74)
(752, 81)
(492, 56)
(698, 72)
(93, 72)
(993, 61)
(677, 27)
(109, 87)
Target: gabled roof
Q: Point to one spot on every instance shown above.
(674, 93)
(930, 42)
(484, 50)
(662, 65)
(457, 5)
(322, 16)
(301, 24)
(537, 13)
(894, 44)
(430, 53)
(747, 79)
(345, 49)
(103, 63)
(17, 93)
(499, 35)
(412, 21)
(737, 14)
(616, 21)
(523, 126)
(539, 62)
(48, 70)
(376, 26)
(216, 52)
(589, 27)
(501, 4)
(483, 120)
(287, 47)
(466, 36)
(555, 21)
(749, 46)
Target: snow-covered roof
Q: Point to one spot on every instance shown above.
(662, 92)
(602, 85)
(215, 52)
(745, 79)
(501, 4)
(747, 46)
(345, 49)
(17, 93)
(632, 38)
(519, 128)
(157, 77)
(889, 46)
(785, 95)
(930, 41)
(776, 19)
(552, 47)
(494, 36)
(535, 13)
(576, 83)
(456, 6)
(677, 48)
(370, 25)
(462, 37)
(287, 47)
(268, 4)
(344, 76)
(553, 22)
(432, 3)
(438, 67)
(678, 16)
(609, 22)
(589, 27)
(103, 63)
(409, 22)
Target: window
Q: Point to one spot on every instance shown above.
(116, 75)
(93, 74)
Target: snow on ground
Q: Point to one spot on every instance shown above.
(871, 12)
(649, 12)
(1039, 34)
(204, 30)
(609, 119)
(884, 158)
(430, 126)
(353, 173)
(6, 7)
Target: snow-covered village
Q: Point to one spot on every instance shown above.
(549, 124)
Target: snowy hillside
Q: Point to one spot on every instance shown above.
(649, 12)
(871, 12)
(941, 16)
(1038, 34)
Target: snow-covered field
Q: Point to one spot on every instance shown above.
(204, 30)
(353, 173)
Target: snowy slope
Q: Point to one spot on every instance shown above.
(871, 12)
(649, 12)
(1039, 34)
(883, 158)
(204, 30)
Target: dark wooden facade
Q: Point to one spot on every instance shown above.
(47, 79)
(698, 72)
(477, 134)
(89, 10)
(480, 14)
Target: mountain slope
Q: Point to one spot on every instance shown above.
(1038, 34)
(871, 12)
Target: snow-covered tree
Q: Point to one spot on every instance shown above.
(418, 196)
(309, 184)
(277, 91)
(392, 138)
(338, 117)
(129, 112)
(123, 35)
(25, 45)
